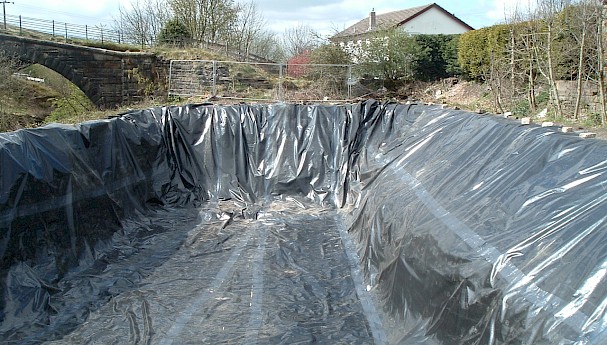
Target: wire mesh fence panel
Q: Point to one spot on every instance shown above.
(316, 82)
(259, 81)
(255, 81)
(189, 78)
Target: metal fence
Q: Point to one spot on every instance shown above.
(68, 32)
(260, 81)
(60, 30)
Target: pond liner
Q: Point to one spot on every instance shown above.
(283, 223)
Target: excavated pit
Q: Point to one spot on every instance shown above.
(293, 224)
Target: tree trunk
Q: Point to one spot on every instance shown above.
(496, 86)
(551, 75)
(602, 38)
(512, 66)
(531, 93)
(580, 75)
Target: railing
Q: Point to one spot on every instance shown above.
(43, 28)
(67, 32)
(260, 81)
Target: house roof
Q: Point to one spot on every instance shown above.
(393, 19)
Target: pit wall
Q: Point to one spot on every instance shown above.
(471, 229)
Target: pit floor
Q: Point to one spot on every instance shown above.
(277, 274)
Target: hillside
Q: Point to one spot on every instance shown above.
(24, 103)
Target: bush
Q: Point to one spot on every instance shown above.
(392, 55)
(330, 54)
(477, 49)
(441, 57)
(174, 33)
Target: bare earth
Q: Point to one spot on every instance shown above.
(476, 97)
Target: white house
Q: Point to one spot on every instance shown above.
(428, 19)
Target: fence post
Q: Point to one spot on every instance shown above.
(280, 90)
(214, 91)
(86, 32)
(53, 28)
(20, 26)
(65, 32)
(170, 76)
(349, 82)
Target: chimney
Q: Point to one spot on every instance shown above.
(372, 20)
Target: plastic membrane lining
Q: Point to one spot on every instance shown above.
(294, 224)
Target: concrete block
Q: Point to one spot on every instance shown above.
(547, 124)
(587, 135)
(526, 121)
(507, 114)
(567, 129)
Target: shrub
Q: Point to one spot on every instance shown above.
(174, 33)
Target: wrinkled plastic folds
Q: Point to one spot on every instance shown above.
(283, 224)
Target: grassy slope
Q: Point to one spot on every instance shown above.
(24, 104)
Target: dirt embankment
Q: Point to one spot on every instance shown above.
(477, 97)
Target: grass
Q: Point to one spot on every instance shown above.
(170, 53)
(95, 114)
(23, 103)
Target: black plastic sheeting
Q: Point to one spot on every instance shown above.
(291, 224)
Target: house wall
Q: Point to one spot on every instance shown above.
(434, 21)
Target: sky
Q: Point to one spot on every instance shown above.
(325, 16)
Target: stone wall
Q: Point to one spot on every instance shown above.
(108, 78)
(591, 102)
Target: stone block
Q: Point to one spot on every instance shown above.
(586, 135)
(526, 121)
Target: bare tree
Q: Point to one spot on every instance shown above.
(249, 25)
(601, 43)
(583, 21)
(142, 22)
(301, 38)
(521, 74)
(207, 20)
(268, 45)
(547, 11)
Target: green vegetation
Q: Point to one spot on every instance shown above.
(174, 33)
(391, 55)
(553, 61)
(560, 53)
(397, 58)
(478, 50)
(440, 58)
(330, 54)
(70, 104)
(23, 103)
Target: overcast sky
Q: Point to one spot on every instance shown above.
(325, 16)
